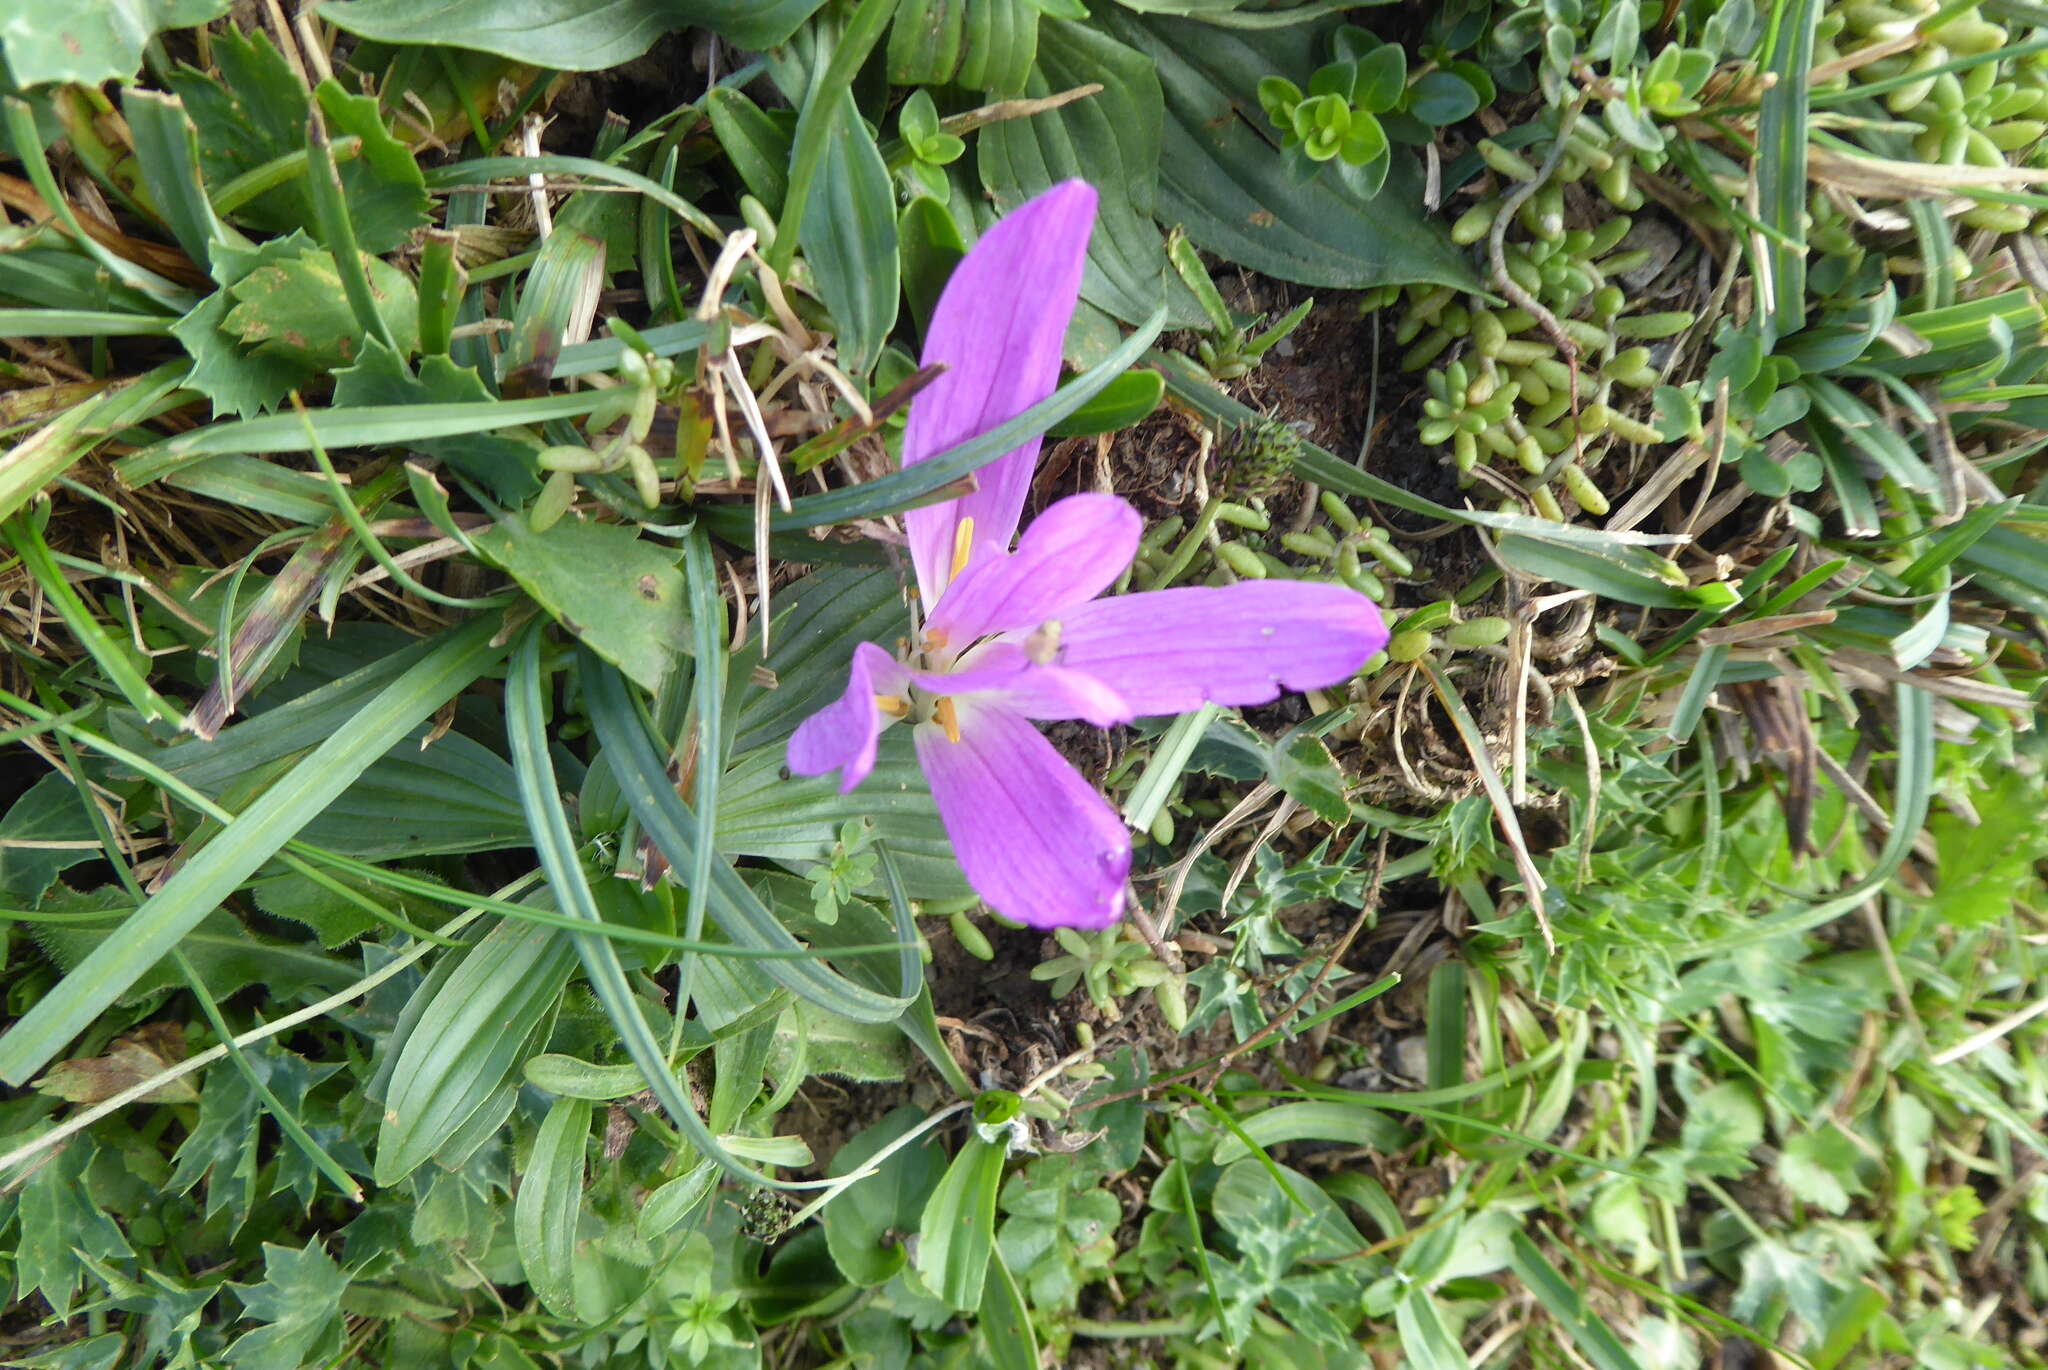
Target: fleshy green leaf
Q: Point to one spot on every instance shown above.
(849, 233)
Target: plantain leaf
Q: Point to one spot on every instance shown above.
(550, 1201)
(568, 35)
(796, 820)
(957, 1231)
(1111, 140)
(848, 232)
(1221, 179)
(864, 1227)
(468, 1040)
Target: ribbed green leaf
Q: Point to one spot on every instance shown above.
(544, 1216)
(957, 1232)
(379, 425)
(849, 233)
(1111, 140)
(1315, 1120)
(468, 1041)
(568, 35)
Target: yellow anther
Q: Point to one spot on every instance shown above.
(942, 710)
(1043, 646)
(935, 640)
(963, 544)
(892, 706)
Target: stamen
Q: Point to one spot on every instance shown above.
(935, 640)
(1042, 647)
(892, 706)
(963, 544)
(942, 710)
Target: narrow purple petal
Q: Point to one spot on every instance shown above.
(1005, 673)
(1070, 554)
(1170, 651)
(841, 736)
(1034, 838)
(998, 329)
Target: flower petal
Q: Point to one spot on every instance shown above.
(1034, 838)
(1005, 673)
(841, 736)
(1169, 651)
(998, 329)
(1070, 554)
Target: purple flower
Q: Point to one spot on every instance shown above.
(1017, 635)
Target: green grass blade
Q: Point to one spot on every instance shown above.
(552, 839)
(1781, 161)
(1566, 1306)
(25, 535)
(483, 169)
(28, 147)
(643, 781)
(82, 323)
(1425, 1338)
(370, 425)
(669, 340)
(219, 868)
(1166, 765)
(37, 460)
(1912, 791)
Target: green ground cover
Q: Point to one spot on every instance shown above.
(446, 450)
